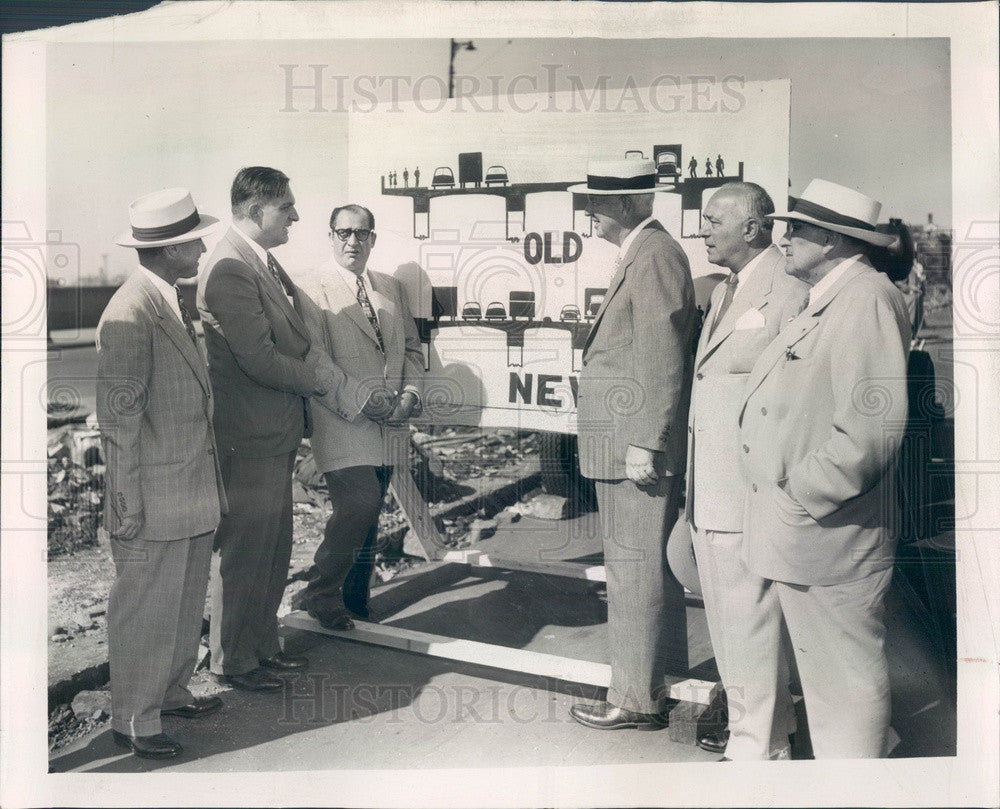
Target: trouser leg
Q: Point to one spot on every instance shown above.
(189, 622)
(356, 500)
(358, 581)
(647, 628)
(838, 637)
(250, 565)
(744, 622)
(144, 609)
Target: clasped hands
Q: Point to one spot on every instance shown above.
(393, 409)
(640, 465)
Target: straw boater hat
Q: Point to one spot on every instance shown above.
(842, 210)
(634, 176)
(165, 217)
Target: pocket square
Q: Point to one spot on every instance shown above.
(750, 319)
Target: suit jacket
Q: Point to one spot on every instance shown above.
(636, 376)
(340, 326)
(727, 351)
(154, 407)
(823, 415)
(262, 363)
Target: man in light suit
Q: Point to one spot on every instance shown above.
(366, 327)
(745, 314)
(164, 487)
(823, 413)
(632, 410)
(264, 369)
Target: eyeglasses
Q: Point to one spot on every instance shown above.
(345, 233)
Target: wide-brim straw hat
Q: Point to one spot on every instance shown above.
(838, 208)
(613, 177)
(165, 217)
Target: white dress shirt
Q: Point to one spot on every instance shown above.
(168, 291)
(828, 280)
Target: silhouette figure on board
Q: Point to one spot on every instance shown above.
(406, 178)
(693, 167)
(416, 177)
(708, 167)
(720, 166)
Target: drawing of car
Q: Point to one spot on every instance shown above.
(595, 305)
(496, 175)
(570, 313)
(496, 311)
(666, 168)
(472, 311)
(444, 177)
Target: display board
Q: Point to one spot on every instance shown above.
(503, 271)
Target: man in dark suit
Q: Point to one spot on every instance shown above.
(632, 414)
(164, 487)
(367, 329)
(264, 369)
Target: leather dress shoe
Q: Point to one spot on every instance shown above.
(255, 680)
(715, 741)
(283, 662)
(606, 716)
(335, 622)
(158, 746)
(201, 706)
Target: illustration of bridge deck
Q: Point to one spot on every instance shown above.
(515, 195)
(515, 333)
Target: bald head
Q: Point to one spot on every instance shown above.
(735, 227)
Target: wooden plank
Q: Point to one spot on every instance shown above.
(486, 654)
(573, 570)
(414, 508)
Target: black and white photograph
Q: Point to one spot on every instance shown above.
(501, 404)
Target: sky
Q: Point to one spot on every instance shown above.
(127, 118)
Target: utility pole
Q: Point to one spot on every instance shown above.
(455, 48)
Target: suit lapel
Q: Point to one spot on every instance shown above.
(175, 330)
(799, 327)
(753, 296)
(619, 278)
(342, 298)
(268, 284)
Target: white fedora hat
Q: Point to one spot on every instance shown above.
(165, 217)
(840, 209)
(629, 176)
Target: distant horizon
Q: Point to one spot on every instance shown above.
(869, 113)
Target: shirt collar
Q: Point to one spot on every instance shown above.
(748, 270)
(259, 251)
(351, 279)
(830, 278)
(168, 291)
(627, 243)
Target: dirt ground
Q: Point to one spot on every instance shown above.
(79, 584)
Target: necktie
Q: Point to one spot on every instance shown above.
(366, 305)
(272, 265)
(727, 299)
(186, 317)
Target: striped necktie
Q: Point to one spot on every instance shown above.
(186, 317)
(369, 311)
(272, 265)
(727, 299)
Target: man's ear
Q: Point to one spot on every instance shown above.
(373, 236)
(751, 230)
(831, 241)
(255, 213)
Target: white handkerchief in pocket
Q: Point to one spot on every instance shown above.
(750, 319)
